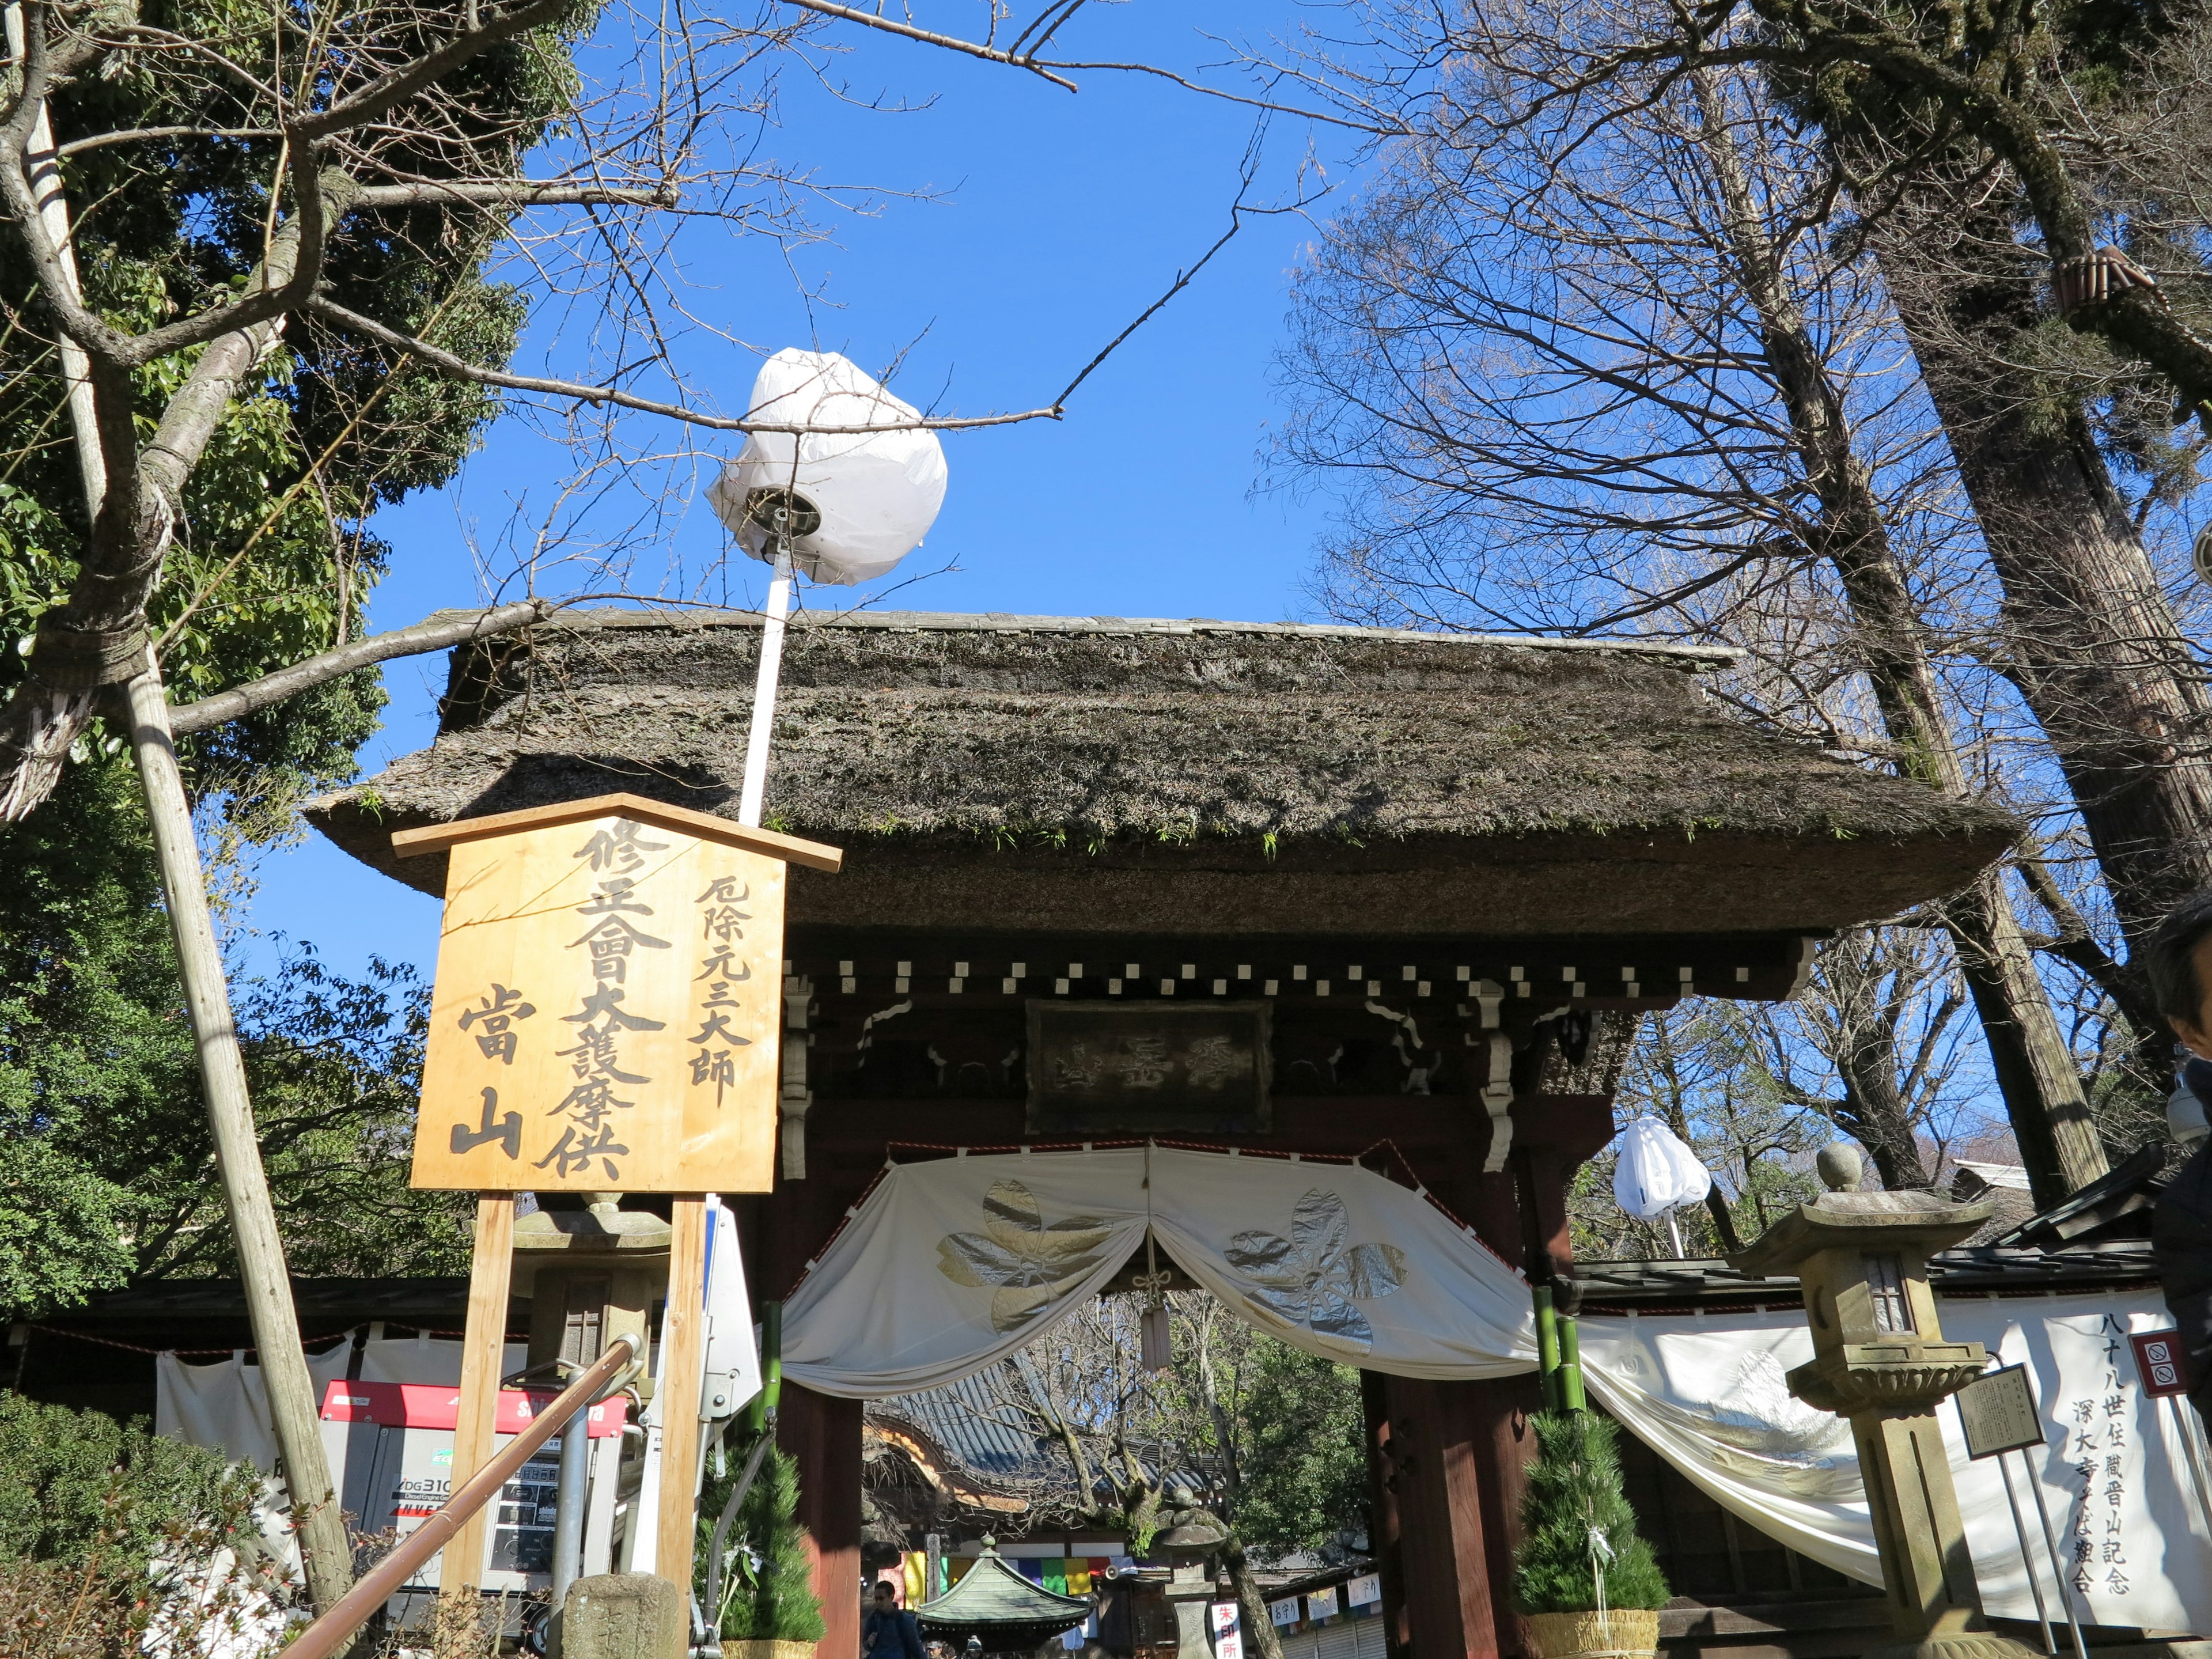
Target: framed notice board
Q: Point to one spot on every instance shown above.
(1996, 1410)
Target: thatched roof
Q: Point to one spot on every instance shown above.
(1246, 777)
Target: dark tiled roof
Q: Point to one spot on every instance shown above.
(1712, 1284)
(962, 1419)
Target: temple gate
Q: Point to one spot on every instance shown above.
(1292, 888)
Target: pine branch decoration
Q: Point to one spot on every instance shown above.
(1575, 1484)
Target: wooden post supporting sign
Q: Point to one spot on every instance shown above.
(684, 1338)
(484, 1359)
(606, 1018)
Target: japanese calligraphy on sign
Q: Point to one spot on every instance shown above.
(1148, 1067)
(2097, 1459)
(608, 1002)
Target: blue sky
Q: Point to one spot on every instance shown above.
(1055, 220)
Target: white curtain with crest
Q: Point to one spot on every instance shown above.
(949, 1265)
(1710, 1395)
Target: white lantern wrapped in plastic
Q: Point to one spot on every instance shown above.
(1657, 1172)
(856, 502)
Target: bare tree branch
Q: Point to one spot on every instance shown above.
(461, 368)
(436, 633)
(930, 37)
(521, 192)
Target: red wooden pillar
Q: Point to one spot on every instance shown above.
(1442, 1593)
(1494, 1419)
(1386, 1527)
(822, 1435)
(1449, 1460)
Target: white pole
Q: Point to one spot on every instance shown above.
(2058, 1563)
(764, 684)
(2027, 1558)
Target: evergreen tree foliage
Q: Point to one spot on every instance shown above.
(112, 1165)
(1304, 1482)
(112, 1175)
(80, 1489)
(767, 1582)
(1574, 1486)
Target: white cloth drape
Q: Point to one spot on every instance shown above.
(225, 1405)
(1708, 1395)
(949, 1265)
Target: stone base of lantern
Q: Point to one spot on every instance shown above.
(1958, 1644)
(1190, 1592)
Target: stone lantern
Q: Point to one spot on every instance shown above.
(1189, 1538)
(1880, 1359)
(591, 1275)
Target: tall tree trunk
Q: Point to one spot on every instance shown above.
(1260, 1637)
(2035, 1071)
(2092, 645)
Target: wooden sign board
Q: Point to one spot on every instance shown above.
(608, 1001)
(1148, 1068)
(1996, 1411)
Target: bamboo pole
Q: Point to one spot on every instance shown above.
(483, 1358)
(570, 1413)
(1547, 1344)
(293, 1408)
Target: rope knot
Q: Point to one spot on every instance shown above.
(80, 659)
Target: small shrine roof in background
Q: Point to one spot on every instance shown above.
(994, 1602)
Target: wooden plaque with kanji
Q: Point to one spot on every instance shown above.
(608, 1001)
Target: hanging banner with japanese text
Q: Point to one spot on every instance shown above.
(1710, 1393)
(606, 1010)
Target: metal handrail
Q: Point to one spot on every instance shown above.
(354, 1608)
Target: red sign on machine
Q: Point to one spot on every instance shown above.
(425, 1406)
(2160, 1362)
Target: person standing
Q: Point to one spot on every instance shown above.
(889, 1631)
(2178, 959)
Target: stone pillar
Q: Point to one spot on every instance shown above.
(1190, 1591)
(1880, 1360)
(822, 1435)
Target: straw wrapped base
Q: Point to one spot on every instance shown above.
(763, 1648)
(1621, 1633)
